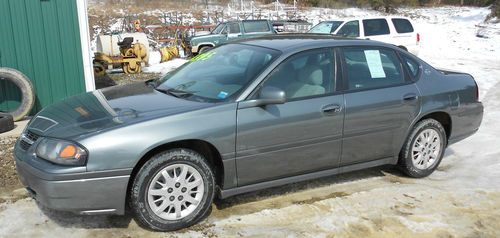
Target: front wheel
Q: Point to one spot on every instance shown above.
(204, 49)
(424, 149)
(173, 190)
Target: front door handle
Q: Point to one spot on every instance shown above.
(410, 97)
(331, 109)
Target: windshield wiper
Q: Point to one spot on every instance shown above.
(175, 92)
(152, 83)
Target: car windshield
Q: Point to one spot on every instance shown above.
(219, 74)
(326, 27)
(218, 28)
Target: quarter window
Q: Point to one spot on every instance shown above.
(375, 27)
(372, 68)
(402, 25)
(305, 74)
(413, 66)
(350, 29)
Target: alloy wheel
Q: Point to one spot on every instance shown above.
(426, 149)
(175, 191)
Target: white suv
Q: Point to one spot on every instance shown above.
(398, 31)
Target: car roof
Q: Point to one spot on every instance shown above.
(367, 18)
(258, 20)
(295, 42)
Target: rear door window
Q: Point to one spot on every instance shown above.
(372, 68)
(255, 26)
(350, 29)
(375, 27)
(402, 25)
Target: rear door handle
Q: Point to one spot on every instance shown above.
(410, 97)
(331, 109)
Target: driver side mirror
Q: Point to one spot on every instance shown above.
(267, 95)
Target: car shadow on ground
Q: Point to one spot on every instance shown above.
(306, 185)
(72, 220)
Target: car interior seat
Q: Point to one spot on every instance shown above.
(309, 83)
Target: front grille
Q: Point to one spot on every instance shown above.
(24, 145)
(32, 136)
(28, 139)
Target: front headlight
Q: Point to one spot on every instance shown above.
(61, 152)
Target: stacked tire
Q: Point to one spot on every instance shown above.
(6, 122)
(28, 98)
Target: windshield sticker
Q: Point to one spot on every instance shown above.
(222, 95)
(203, 56)
(374, 63)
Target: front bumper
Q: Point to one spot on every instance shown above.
(466, 121)
(194, 49)
(84, 193)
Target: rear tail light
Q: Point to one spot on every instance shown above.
(418, 38)
(477, 92)
(477, 89)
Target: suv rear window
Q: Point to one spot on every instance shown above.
(402, 25)
(255, 26)
(375, 27)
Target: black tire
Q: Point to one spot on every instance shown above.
(144, 216)
(405, 157)
(204, 49)
(6, 122)
(27, 91)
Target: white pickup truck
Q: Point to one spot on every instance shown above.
(398, 31)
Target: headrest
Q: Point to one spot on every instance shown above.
(314, 77)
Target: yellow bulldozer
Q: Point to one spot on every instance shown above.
(131, 59)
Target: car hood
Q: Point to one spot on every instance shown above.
(105, 109)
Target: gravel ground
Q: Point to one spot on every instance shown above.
(121, 78)
(8, 177)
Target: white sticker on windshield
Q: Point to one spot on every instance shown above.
(374, 63)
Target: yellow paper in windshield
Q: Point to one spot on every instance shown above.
(203, 56)
(374, 63)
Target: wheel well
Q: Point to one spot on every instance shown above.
(443, 118)
(201, 46)
(204, 148)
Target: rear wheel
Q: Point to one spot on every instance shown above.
(173, 190)
(424, 149)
